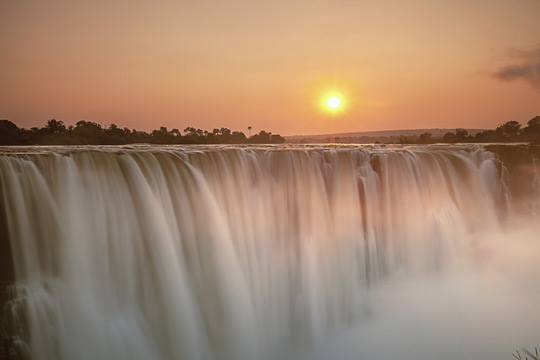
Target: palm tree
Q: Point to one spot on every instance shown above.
(249, 131)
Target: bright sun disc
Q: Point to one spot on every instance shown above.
(333, 102)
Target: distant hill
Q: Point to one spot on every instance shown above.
(382, 136)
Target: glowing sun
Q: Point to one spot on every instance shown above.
(333, 102)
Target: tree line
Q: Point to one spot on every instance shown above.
(55, 132)
(511, 131)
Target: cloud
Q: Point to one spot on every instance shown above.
(525, 66)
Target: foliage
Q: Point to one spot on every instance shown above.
(534, 356)
(55, 132)
(510, 131)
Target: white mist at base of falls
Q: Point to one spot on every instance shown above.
(246, 253)
(482, 309)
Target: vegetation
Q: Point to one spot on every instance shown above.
(534, 356)
(510, 131)
(91, 133)
(86, 132)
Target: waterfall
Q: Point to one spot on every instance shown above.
(222, 252)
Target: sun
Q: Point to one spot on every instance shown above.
(333, 102)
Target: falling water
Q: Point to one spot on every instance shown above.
(241, 253)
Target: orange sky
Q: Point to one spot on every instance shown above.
(239, 63)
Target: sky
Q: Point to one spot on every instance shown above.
(270, 64)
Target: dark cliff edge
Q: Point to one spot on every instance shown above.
(7, 273)
(522, 162)
(515, 155)
(8, 349)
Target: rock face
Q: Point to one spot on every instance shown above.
(523, 168)
(7, 275)
(515, 155)
(7, 278)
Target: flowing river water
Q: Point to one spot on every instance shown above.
(269, 252)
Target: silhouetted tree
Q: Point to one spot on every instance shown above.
(449, 137)
(277, 139)
(509, 131)
(115, 135)
(261, 138)
(533, 125)
(461, 135)
(87, 132)
(162, 136)
(10, 134)
(425, 138)
(532, 130)
(55, 127)
(404, 140)
(486, 136)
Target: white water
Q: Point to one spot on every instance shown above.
(267, 253)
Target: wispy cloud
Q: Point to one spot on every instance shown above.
(525, 65)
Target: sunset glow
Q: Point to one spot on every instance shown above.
(333, 102)
(264, 180)
(220, 64)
